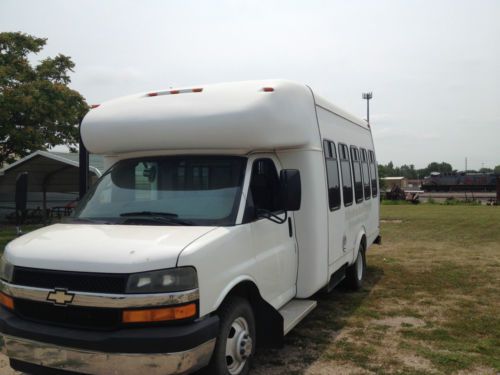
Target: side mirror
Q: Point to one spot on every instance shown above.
(291, 190)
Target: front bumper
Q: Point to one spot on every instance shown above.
(154, 350)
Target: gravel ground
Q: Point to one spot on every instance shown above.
(5, 368)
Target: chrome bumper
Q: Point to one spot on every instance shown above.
(97, 363)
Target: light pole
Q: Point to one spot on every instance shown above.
(367, 96)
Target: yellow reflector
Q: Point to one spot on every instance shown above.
(159, 315)
(6, 301)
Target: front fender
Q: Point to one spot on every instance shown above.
(223, 258)
(224, 293)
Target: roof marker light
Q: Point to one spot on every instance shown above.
(94, 106)
(175, 91)
(268, 89)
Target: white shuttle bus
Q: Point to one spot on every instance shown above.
(224, 208)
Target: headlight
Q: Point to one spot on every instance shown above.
(164, 281)
(6, 270)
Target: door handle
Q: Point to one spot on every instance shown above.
(290, 228)
(344, 243)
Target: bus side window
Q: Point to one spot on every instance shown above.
(345, 169)
(332, 174)
(373, 172)
(356, 169)
(366, 174)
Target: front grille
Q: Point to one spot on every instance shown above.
(69, 316)
(76, 281)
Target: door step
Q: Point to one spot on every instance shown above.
(294, 311)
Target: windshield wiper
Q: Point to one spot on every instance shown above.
(71, 220)
(159, 217)
(148, 213)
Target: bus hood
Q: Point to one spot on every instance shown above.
(102, 248)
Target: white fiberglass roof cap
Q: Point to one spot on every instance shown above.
(244, 116)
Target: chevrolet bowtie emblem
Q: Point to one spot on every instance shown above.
(60, 297)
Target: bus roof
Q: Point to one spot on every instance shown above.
(243, 116)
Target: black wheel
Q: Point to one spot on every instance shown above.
(235, 344)
(356, 273)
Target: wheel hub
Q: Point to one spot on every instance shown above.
(239, 346)
(244, 346)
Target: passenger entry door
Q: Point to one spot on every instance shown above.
(274, 244)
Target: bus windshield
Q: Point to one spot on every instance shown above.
(172, 190)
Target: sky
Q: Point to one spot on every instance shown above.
(433, 65)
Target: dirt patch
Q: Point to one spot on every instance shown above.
(478, 370)
(400, 322)
(391, 221)
(334, 368)
(416, 362)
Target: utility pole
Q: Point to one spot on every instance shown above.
(367, 96)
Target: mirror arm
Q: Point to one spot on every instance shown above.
(270, 216)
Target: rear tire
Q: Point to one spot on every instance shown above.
(355, 274)
(236, 342)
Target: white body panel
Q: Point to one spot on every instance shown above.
(289, 125)
(102, 248)
(348, 223)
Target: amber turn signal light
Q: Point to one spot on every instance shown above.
(160, 314)
(6, 301)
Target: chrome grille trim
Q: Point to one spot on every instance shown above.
(102, 299)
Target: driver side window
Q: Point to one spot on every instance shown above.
(264, 189)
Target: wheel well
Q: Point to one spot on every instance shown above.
(268, 321)
(363, 242)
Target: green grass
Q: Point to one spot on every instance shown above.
(431, 302)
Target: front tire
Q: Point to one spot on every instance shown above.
(235, 344)
(356, 273)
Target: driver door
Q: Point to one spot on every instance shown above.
(274, 244)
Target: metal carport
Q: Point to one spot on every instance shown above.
(47, 172)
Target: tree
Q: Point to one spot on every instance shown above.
(485, 170)
(442, 167)
(497, 169)
(37, 108)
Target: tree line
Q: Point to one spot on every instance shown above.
(410, 172)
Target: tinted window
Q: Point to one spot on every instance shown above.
(345, 169)
(264, 190)
(373, 172)
(356, 167)
(366, 174)
(332, 174)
